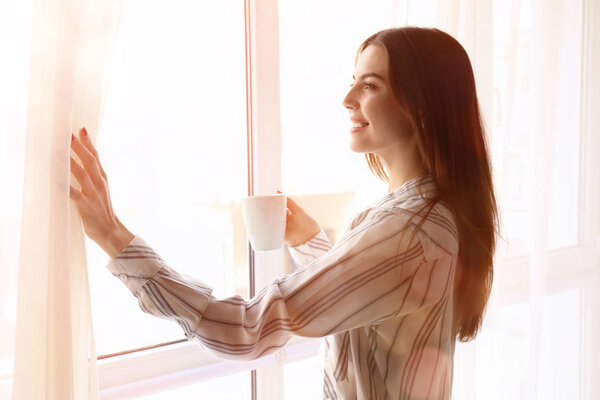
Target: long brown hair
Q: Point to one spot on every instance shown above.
(431, 76)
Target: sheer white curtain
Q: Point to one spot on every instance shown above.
(54, 355)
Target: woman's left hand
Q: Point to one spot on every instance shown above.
(100, 222)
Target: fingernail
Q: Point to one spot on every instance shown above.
(278, 191)
(84, 131)
(72, 137)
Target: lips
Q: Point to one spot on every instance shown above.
(357, 123)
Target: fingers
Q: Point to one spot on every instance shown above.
(89, 145)
(87, 142)
(75, 194)
(291, 204)
(81, 176)
(87, 154)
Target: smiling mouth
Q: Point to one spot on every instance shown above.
(358, 126)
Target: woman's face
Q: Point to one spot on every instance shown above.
(384, 125)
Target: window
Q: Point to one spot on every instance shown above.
(522, 111)
(173, 144)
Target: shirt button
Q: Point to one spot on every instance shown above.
(123, 277)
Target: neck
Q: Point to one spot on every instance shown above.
(402, 165)
(397, 181)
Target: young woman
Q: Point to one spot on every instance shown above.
(410, 275)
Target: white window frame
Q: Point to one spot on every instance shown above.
(169, 367)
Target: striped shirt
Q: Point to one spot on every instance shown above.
(381, 301)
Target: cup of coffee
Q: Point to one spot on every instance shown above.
(265, 218)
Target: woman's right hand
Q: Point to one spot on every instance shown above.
(300, 227)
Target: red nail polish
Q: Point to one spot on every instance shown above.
(84, 132)
(72, 137)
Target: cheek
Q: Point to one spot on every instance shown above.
(398, 118)
(402, 122)
(387, 116)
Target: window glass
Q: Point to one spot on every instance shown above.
(303, 379)
(173, 143)
(235, 386)
(563, 219)
(500, 366)
(560, 346)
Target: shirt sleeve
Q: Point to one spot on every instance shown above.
(306, 253)
(371, 274)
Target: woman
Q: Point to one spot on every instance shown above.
(410, 275)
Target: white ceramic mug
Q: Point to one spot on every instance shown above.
(265, 218)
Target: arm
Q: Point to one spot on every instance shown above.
(365, 279)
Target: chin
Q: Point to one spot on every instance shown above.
(357, 147)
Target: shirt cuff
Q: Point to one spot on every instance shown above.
(309, 251)
(136, 264)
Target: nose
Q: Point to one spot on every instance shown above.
(349, 101)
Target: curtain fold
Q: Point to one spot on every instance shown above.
(71, 47)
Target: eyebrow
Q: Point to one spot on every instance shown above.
(368, 74)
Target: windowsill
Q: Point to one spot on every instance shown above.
(183, 364)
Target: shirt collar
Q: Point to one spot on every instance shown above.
(424, 184)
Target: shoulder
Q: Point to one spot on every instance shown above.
(437, 232)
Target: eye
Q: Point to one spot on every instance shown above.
(365, 85)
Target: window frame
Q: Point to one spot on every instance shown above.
(168, 367)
